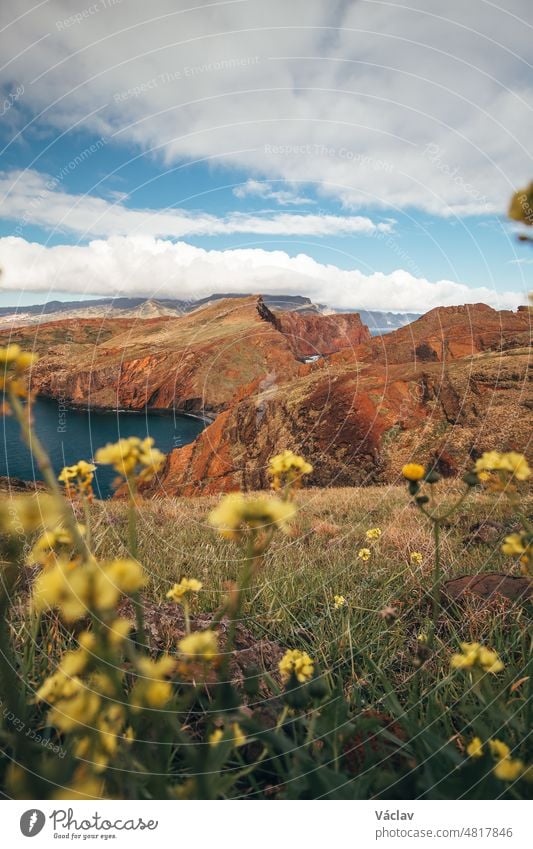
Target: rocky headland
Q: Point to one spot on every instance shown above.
(450, 384)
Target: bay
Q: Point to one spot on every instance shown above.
(70, 435)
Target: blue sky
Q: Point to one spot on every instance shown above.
(359, 153)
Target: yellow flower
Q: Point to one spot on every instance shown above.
(476, 655)
(82, 473)
(216, 737)
(14, 363)
(87, 640)
(29, 513)
(52, 687)
(77, 706)
(76, 589)
(297, 663)
(125, 574)
(511, 461)
(287, 469)
(157, 693)
(489, 660)
(373, 533)
(118, 631)
(364, 554)
(9, 354)
(132, 456)
(66, 587)
(415, 558)
(74, 662)
(289, 461)
(509, 769)
(104, 591)
(475, 748)
(51, 543)
(413, 471)
(160, 668)
(498, 749)
(183, 589)
(338, 601)
(513, 545)
(201, 645)
(238, 737)
(152, 690)
(519, 545)
(236, 513)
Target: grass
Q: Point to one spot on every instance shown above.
(291, 600)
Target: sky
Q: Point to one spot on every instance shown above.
(360, 152)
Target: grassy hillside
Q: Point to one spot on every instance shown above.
(292, 598)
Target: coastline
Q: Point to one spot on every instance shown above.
(207, 418)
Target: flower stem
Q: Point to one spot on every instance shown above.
(43, 461)
(133, 550)
(436, 589)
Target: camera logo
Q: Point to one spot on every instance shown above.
(32, 822)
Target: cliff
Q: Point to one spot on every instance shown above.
(361, 412)
(200, 362)
(448, 333)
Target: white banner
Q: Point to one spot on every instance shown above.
(268, 825)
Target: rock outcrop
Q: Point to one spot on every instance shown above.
(448, 333)
(358, 416)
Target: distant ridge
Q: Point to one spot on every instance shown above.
(143, 308)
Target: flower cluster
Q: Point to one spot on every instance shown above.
(506, 768)
(287, 469)
(373, 534)
(476, 655)
(234, 734)
(152, 689)
(339, 601)
(186, 586)
(201, 645)
(14, 364)
(132, 457)
(415, 558)
(236, 514)
(78, 478)
(298, 664)
(76, 589)
(52, 544)
(510, 463)
(520, 545)
(83, 698)
(29, 513)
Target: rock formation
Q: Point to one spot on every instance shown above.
(452, 383)
(359, 414)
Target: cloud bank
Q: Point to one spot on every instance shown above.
(28, 197)
(396, 105)
(146, 266)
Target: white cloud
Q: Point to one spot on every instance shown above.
(265, 191)
(33, 198)
(145, 266)
(344, 95)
